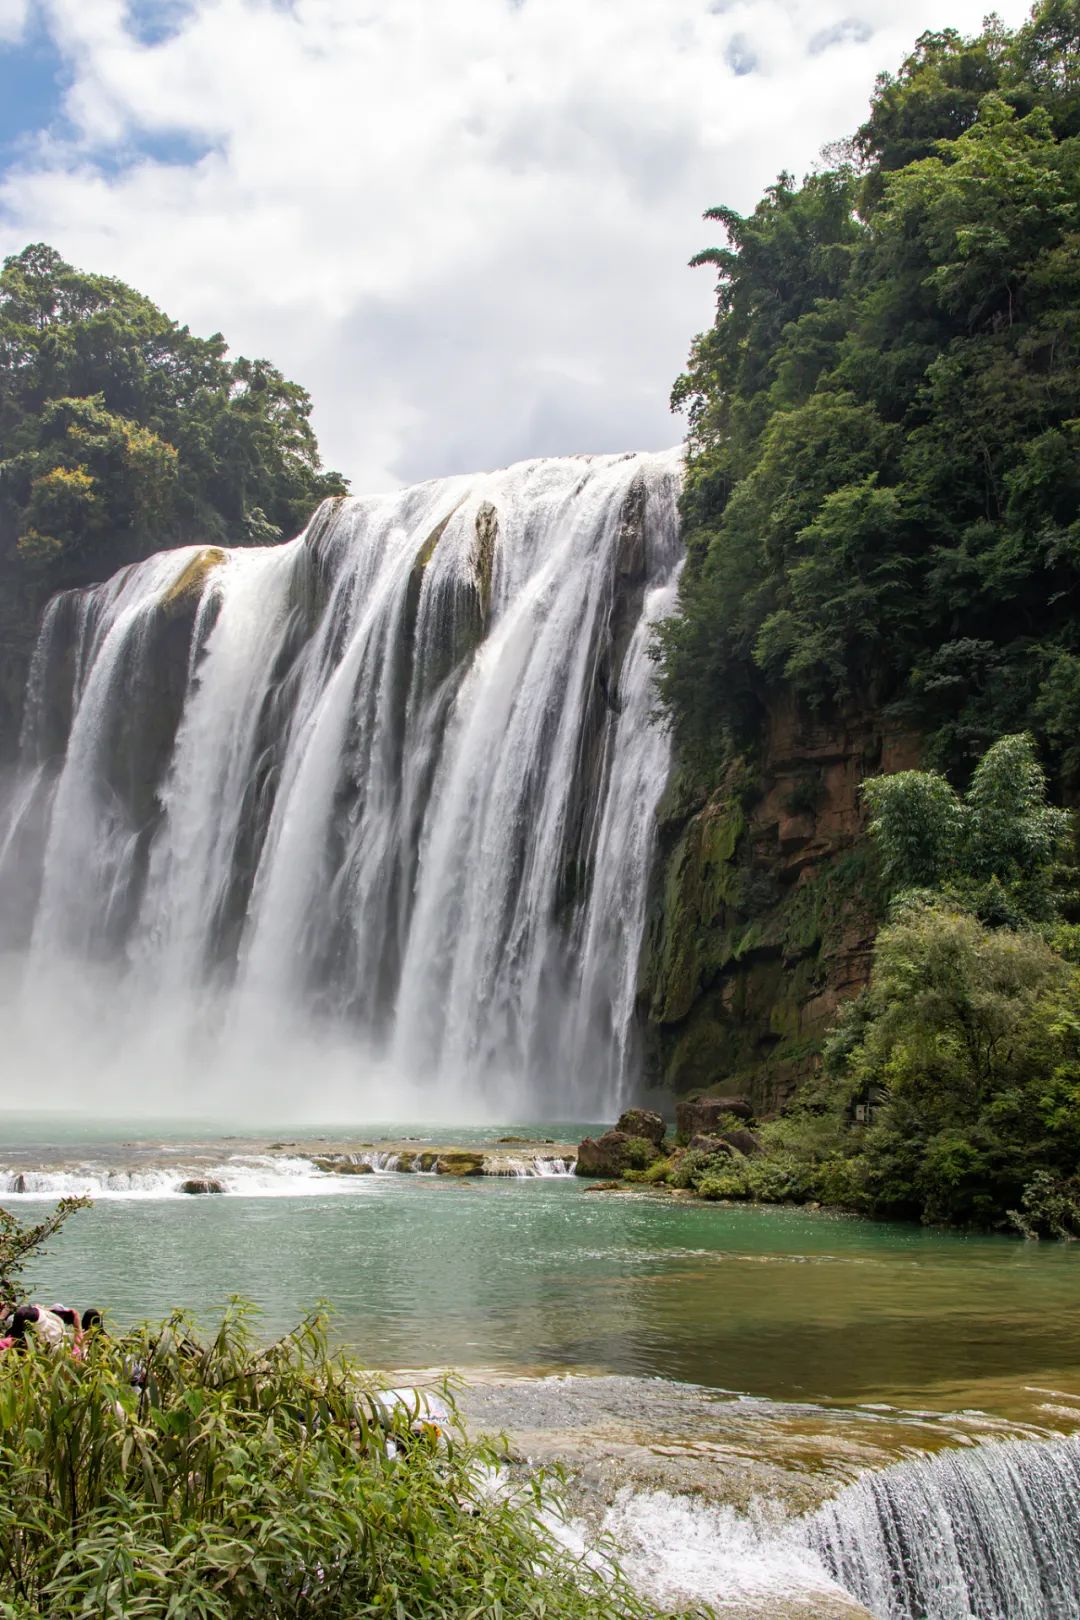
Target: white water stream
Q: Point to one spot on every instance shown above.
(365, 819)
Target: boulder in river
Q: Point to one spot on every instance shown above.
(459, 1162)
(614, 1153)
(201, 1184)
(644, 1123)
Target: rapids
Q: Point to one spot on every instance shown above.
(391, 786)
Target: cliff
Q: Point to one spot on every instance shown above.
(764, 908)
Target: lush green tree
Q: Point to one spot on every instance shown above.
(883, 491)
(968, 1038)
(120, 432)
(999, 849)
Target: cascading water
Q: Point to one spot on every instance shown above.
(397, 777)
(988, 1533)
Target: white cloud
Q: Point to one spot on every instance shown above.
(14, 15)
(464, 227)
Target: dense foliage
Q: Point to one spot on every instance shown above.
(950, 1089)
(884, 479)
(159, 1476)
(121, 433)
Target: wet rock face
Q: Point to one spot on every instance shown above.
(702, 1116)
(614, 1153)
(197, 1185)
(644, 1123)
(765, 904)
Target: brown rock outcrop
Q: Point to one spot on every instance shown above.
(700, 1115)
(644, 1123)
(613, 1154)
(765, 906)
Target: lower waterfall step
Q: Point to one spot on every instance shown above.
(509, 1159)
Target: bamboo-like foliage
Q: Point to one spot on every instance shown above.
(161, 1477)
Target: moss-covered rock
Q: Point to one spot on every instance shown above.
(186, 590)
(706, 1116)
(459, 1162)
(642, 1122)
(613, 1153)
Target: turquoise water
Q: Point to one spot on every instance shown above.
(543, 1275)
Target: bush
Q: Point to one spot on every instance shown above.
(1050, 1207)
(163, 1477)
(729, 1180)
(639, 1153)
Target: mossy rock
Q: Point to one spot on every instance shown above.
(343, 1167)
(644, 1123)
(186, 590)
(483, 554)
(460, 1163)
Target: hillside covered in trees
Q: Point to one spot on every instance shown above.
(884, 495)
(883, 527)
(122, 433)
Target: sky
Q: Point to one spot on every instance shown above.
(462, 225)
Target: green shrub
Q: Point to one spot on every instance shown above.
(691, 1165)
(1050, 1207)
(726, 1181)
(160, 1478)
(19, 1244)
(639, 1153)
(778, 1178)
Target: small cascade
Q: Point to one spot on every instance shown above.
(395, 781)
(987, 1533)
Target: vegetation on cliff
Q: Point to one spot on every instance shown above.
(120, 432)
(883, 475)
(950, 1088)
(884, 565)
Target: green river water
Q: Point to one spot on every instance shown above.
(544, 1276)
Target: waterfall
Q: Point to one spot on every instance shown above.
(987, 1533)
(396, 779)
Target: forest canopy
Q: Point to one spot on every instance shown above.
(121, 432)
(883, 505)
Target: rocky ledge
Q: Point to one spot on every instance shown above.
(638, 1148)
(510, 1157)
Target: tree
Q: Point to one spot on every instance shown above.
(882, 469)
(120, 432)
(999, 849)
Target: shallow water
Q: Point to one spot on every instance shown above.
(545, 1276)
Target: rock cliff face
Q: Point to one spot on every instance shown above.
(764, 907)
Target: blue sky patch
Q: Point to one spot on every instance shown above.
(153, 21)
(33, 78)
